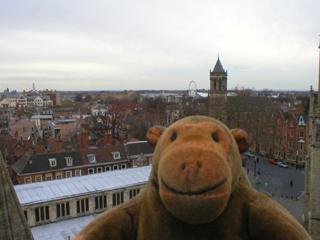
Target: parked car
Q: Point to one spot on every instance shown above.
(244, 160)
(249, 154)
(273, 161)
(281, 164)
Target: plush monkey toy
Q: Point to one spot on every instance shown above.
(197, 190)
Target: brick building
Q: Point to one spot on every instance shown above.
(46, 167)
(284, 138)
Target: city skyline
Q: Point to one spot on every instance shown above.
(138, 45)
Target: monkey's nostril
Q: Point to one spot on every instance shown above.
(184, 166)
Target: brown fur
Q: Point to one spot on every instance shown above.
(197, 190)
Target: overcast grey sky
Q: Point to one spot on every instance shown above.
(118, 45)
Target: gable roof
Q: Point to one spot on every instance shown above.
(129, 119)
(134, 149)
(28, 164)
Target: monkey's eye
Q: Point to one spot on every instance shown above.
(215, 137)
(173, 137)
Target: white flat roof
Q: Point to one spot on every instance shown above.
(41, 117)
(41, 192)
(61, 230)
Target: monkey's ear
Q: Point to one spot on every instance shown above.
(154, 134)
(242, 139)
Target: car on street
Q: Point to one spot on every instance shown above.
(249, 154)
(281, 164)
(273, 161)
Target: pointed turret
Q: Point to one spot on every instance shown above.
(218, 67)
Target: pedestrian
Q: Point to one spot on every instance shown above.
(248, 170)
(291, 183)
(259, 171)
(257, 160)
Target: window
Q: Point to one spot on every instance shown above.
(83, 205)
(39, 178)
(123, 166)
(57, 132)
(100, 202)
(92, 158)
(63, 209)
(278, 121)
(59, 175)
(300, 146)
(278, 130)
(115, 167)
(90, 171)
(108, 168)
(99, 170)
(291, 144)
(68, 174)
(26, 214)
(48, 177)
(291, 133)
(278, 141)
(78, 172)
(116, 155)
(69, 161)
(301, 134)
(292, 124)
(150, 160)
(134, 192)
(117, 198)
(53, 162)
(42, 213)
(134, 163)
(27, 180)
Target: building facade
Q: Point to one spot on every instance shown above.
(312, 180)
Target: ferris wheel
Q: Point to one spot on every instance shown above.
(192, 89)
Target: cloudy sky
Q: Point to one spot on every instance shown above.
(120, 44)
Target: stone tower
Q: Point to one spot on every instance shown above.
(13, 223)
(218, 92)
(312, 181)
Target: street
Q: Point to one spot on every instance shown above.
(274, 181)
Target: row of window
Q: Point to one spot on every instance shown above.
(91, 158)
(82, 206)
(301, 133)
(78, 173)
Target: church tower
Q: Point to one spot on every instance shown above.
(218, 81)
(218, 92)
(312, 180)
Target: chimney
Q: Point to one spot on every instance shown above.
(84, 136)
(107, 140)
(58, 144)
(40, 147)
(14, 159)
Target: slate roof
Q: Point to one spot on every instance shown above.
(218, 67)
(134, 149)
(129, 119)
(40, 163)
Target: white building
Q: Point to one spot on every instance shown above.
(46, 204)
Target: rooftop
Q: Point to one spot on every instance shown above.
(41, 192)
